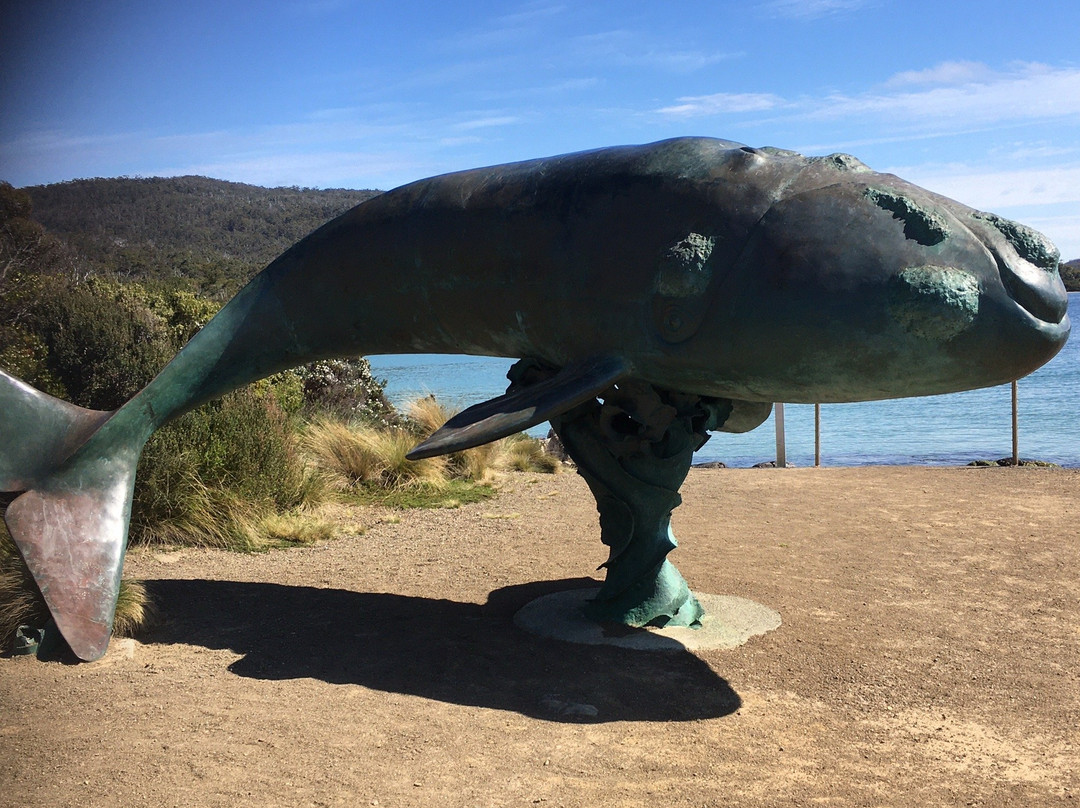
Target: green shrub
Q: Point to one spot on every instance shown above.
(213, 476)
(23, 354)
(103, 342)
(346, 388)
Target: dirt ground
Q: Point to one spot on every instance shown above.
(929, 656)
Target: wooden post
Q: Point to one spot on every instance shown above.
(817, 435)
(781, 449)
(1015, 428)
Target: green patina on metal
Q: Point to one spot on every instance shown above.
(845, 162)
(684, 270)
(934, 303)
(921, 224)
(1029, 244)
(657, 292)
(634, 445)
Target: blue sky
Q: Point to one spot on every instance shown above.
(977, 100)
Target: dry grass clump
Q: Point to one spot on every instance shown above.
(427, 414)
(518, 452)
(135, 610)
(21, 602)
(359, 455)
(215, 476)
(296, 528)
(476, 464)
(221, 518)
(524, 453)
(369, 461)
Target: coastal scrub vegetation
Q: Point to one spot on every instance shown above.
(246, 472)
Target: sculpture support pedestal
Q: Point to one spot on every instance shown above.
(634, 449)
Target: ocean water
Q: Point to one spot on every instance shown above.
(937, 430)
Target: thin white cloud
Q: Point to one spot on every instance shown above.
(504, 30)
(486, 123)
(959, 72)
(1030, 92)
(532, 11)
(626, 48)
(319, 7)
(978, 98)
(539, 93)
(696, 106)
(811, 9)
(320, 170)
(1041, 151)
(999, 188)
(321, 152)
(464, 140)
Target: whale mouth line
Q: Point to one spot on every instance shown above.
(1038, 300)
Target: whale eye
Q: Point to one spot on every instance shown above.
(924, 226)
(682, 279)
(746, 157)
(1029, 244)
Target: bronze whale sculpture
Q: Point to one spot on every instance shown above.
(696, 278)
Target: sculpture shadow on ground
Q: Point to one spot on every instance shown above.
(461, 653)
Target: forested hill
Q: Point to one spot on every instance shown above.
(217, 234)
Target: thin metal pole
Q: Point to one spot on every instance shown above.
(1015, 428)
(817, 435)
(781, 449)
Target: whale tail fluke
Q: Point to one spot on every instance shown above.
(70, 521)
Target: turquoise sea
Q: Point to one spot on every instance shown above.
(938, 430)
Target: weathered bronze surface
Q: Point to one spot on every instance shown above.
(690, 270)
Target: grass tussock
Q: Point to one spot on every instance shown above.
(219, 518)
(349, 456)
(426, 415)
(518, 452)
(135, 610)
(21, 602)
(453, 494)
(524, 453)
(284, 529)
(368, 464)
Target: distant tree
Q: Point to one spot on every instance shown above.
(1070, 274)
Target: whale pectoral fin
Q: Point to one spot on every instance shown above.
(521, 409)
(743, 416)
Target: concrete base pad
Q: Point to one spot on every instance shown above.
(729, 622)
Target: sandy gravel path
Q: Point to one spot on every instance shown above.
(929, 656)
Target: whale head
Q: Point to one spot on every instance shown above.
(855, 285)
